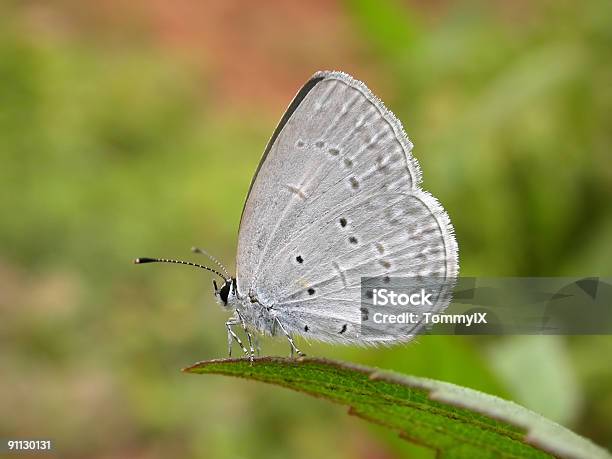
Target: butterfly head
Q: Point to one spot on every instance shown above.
(226, 294)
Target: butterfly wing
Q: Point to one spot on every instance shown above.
(336, 198)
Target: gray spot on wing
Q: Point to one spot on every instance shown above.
(297, 191)
(340, 272)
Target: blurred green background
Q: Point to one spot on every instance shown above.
(133, 129)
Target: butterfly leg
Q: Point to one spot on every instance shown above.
(248, 333)
(231, 334)
(293, 346)
(230, 341)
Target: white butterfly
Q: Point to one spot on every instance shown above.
(335, 198)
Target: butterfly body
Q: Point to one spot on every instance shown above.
(256, 316)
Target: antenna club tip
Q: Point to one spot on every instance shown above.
(140, 260)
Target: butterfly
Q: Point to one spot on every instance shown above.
(336, 198)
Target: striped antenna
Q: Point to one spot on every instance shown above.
(140, 261)
(213, 259)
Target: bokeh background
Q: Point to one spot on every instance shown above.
(133, 129)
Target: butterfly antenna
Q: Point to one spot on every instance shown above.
(213, 259)
(140, 261)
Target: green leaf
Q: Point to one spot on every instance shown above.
(454, 421)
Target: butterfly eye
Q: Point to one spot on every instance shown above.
(225, 291)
